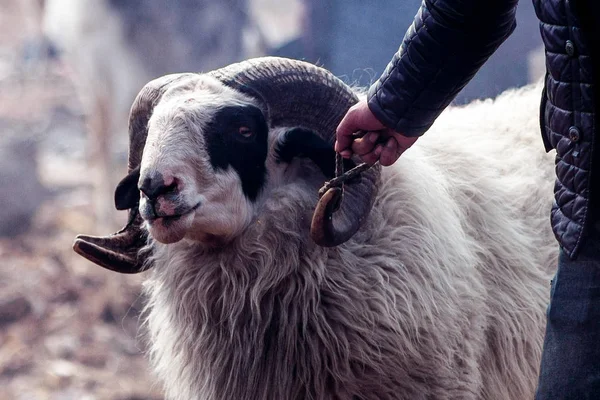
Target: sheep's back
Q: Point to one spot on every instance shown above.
(484, 165)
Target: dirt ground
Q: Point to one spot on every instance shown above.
(68, 329)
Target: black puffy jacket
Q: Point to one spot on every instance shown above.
(446, 45)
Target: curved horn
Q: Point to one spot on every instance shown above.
(120, 252)
(297, 93)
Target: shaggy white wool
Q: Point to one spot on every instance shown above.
(441, 294)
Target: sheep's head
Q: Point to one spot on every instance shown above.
(203, 163)
(198, 151)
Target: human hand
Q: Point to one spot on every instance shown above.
(378, 143)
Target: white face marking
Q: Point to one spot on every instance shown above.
(225, 210)
(219, 212)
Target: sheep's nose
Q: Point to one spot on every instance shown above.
(156, 185)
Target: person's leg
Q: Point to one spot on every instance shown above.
(570, 367)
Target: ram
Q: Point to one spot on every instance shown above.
(425, 280)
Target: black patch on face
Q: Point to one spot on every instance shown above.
(237, 137)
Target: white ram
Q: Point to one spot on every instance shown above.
(434, 275)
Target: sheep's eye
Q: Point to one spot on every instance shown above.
(245, 131)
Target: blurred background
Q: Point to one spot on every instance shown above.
(69, 71)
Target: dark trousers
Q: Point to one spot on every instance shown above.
(570, 368)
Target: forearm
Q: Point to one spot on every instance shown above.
(445, 46)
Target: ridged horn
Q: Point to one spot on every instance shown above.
(118, 252)
(297, 93)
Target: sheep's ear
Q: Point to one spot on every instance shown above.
(127, 195)
(302, 142)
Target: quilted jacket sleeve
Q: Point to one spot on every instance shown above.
(446, 45)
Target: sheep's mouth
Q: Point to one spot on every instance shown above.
(174, 217)
(171, 228)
